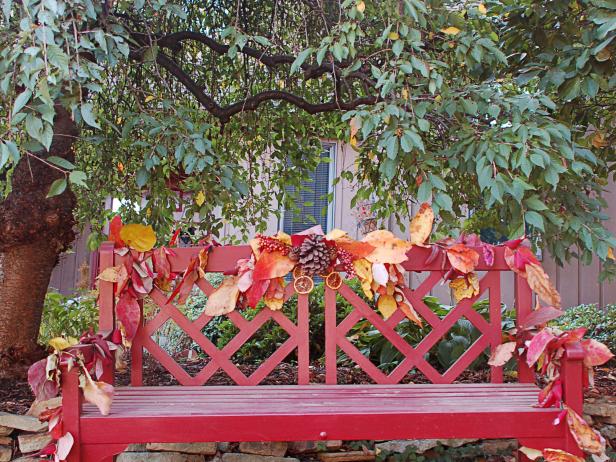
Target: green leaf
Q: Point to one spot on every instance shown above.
(57, 187)
(535, 203)
(60, 162)
(142, 177)
(78, 177)
(301, 58)
(534, 219)
(88, 115)
(21, 100)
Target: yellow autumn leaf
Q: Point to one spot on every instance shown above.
(224, 298)
(61, 343)
(610, 254)
(274, 304)
(361, 7)
(138, 237)
(421, 225)
(394, 35)
(482, 8)
(451, 30)
(405, 94)
(283, 237)
(363, 269)
(465, 287)
(149, 98)
(112, 274)
(200, 198)
(335, 234)
(387, 305)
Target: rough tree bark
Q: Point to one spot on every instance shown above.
(34, 231)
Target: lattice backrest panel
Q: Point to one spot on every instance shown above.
(224, 259)
(489, 328)
(221, 259)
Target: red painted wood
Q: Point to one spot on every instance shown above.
(106, 300)
(71, 409)
(523, 306)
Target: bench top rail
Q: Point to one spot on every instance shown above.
(224, 259)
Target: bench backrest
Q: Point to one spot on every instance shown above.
(224, 259)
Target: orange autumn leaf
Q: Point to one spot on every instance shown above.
(465, 287)
(138, 237)
(421, 225)
(558, 455)
(387, 247)
(272, 265)
(462, 258)
(98, 393)
(274, 295)
(356, 248)
(112, 273)
(588, 439)
(410, 313)
(224, 298)
(539, 281)
(387, 305)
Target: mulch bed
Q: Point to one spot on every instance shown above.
(16, 397)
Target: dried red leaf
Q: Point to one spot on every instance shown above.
(42, 388)
(256, 292)
(541, 315)
(501, 354)
(551, 394)
(115, 226)
(596, 353)
(128, 312)
(538, 345)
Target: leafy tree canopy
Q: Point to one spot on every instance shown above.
(505, 106)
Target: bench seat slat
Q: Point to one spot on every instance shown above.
(278, 413)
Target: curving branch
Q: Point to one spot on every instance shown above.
(251, 103)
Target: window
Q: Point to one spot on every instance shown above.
(313, 197)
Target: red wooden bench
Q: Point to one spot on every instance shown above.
(387, 410)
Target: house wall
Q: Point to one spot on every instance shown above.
(576, 282)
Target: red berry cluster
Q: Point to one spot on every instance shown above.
(271, 244)
(346, 261)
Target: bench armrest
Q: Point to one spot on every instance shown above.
(572, 376)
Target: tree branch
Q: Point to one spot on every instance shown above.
(251, 103)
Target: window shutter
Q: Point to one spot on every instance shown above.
(317, 188)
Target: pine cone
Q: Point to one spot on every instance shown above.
(314, 255)
(294, 253)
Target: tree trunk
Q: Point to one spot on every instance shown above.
(34, 231)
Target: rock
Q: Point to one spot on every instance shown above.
(497, 447)
(159, 457)
(235, 457)
(208, 449)
(5, 431)
(22, 422)
(308, 447)
(31, 442)
(264, 448)
(400, 446)
(136, 448)
(604, 409)
(456, 443)
(350, 456)
(223, 446)
(609, 432)
(5, 454)
(6, 440)
(39, 406)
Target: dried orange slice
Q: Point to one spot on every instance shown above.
(303, 285)
(298, 272)
(333, 280)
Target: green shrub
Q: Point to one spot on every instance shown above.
(601, 323)
(68, 315)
